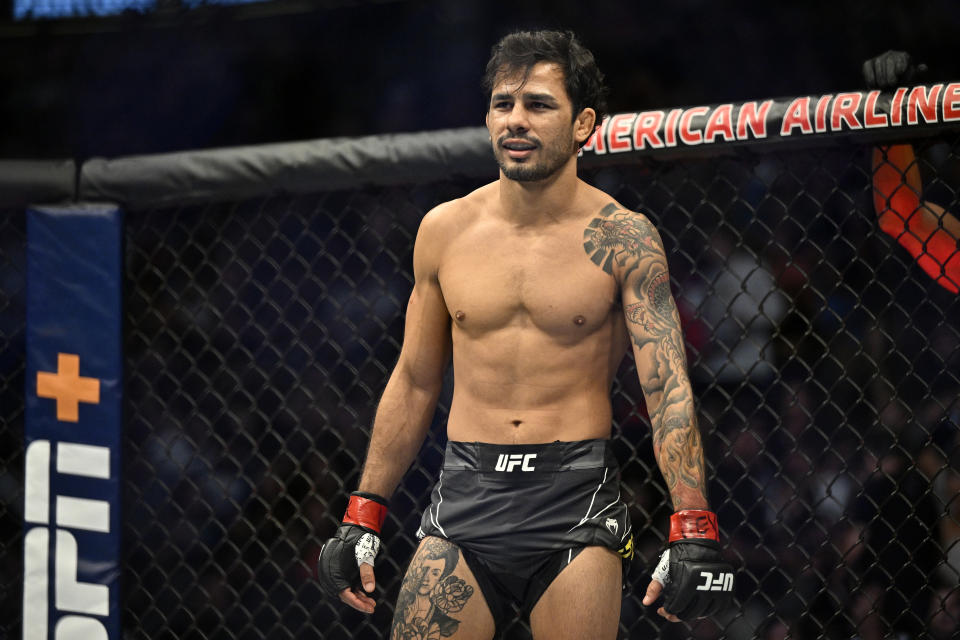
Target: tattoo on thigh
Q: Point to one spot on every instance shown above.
(430, 594)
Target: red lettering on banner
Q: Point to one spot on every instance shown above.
(797, 115)
(870, 116)
(719, 123)
(595, 142)
(844, 108)
(756, 119)
(951, 102)
(646, 128)
(618, 132)
(687, 135)
(896, 107)
(670, 129)
(820, 116)
(923, 103)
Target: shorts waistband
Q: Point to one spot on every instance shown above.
(528, 458)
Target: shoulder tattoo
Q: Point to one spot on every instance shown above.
(619, 235)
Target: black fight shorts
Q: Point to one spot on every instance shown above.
(521, 513)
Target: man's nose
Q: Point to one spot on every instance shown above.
(517, 120)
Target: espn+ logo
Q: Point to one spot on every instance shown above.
(69, 512)
(723, 581)
(508, 462)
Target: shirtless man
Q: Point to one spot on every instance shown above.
(535, 284)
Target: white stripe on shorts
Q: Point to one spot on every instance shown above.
(594, 497)
(435, 516)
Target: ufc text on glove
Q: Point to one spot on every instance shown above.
(697, 581)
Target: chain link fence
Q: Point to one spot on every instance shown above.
(260, 333)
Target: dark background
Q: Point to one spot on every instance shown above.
(182, 78)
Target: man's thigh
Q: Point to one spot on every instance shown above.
(440, 598)
(583, 601)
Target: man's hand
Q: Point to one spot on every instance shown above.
(693, 576)
(660, 577)
(346, 560)
(890, 69)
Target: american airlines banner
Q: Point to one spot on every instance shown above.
(72, 428)
(772, 119)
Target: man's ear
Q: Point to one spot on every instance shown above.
(584, 124)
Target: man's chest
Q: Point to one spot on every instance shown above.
(491, 278)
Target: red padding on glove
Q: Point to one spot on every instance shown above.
(365, 512)
(694, 523)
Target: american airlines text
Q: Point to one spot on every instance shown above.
(759, 119)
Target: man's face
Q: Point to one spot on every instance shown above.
(531, 123)
(432, 570)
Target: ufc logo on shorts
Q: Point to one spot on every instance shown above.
(723, 582)
(509, 462)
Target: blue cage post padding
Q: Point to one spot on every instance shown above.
(72, 423)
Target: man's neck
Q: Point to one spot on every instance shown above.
(540, 202)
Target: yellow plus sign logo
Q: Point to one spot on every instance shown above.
(67, 387)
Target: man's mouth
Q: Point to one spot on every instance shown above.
(518, 148)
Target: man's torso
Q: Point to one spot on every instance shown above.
(537, 327)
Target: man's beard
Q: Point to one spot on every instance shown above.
(553, 159)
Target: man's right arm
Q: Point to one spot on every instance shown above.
(400, 426)
(410, 397)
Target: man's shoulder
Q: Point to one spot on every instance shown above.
(454, 215)
(606, 209)
(478, 199)
(617, 238)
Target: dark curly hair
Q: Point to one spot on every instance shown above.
(519, 51)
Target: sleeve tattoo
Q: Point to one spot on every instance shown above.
(622, 242)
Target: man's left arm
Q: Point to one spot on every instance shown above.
(695, 580)
(654, 325)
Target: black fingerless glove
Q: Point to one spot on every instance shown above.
(697, 581)
(356, 541)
